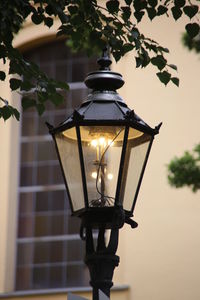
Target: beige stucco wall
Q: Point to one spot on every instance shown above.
(160, 259)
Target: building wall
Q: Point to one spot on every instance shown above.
(160, 259)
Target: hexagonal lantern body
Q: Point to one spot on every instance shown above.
(103, 149)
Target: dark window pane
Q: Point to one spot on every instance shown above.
(77, 274)
(23, 278)
(28, 152)
(42, 201)
(26, 203)
(73, 225)
(29, 125)
(42, 226)
(40, 277)
(75, 250)
(56, 252)
(41, 252)
(25, 226)
(26, 176)
(57, 176)
(58, 200)
(56, 276)
(57, 225)
(43, 175)
(24, 254)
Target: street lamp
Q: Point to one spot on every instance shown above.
(103, 148)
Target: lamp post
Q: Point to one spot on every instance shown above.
(103, 148)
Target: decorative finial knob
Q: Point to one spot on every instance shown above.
(104, 61)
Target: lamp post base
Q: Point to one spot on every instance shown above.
(101, 267)
(101, 260)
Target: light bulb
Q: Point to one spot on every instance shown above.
(94, 143)
(94, 175)
(102, 141)
(110, 176)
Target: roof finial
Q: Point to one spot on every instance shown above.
(105, 61)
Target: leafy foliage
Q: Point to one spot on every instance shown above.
(115, 24)
(185, 171)
(191, 44)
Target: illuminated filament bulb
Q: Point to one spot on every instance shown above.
(94, 175)
(102, 142)
(110, 176)
(94, 143)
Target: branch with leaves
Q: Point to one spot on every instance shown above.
(115, 25)
(185, 170)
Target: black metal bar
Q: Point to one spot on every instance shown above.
(82, 166)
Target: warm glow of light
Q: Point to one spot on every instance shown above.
(102, 141)
(94, 143)
(110, 176)
(94, 175)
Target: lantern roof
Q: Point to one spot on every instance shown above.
(104, 104)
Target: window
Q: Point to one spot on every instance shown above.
(49, 250)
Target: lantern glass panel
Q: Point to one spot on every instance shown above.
(102, 147)
(69, 155)
(137, 146)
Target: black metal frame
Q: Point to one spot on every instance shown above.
(102, 260)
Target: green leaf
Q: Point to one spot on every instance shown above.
(16, 114)
(159, 61)
(62, 85)
(173, 66)
(161, 49)
(48, 21)
(28, 102)
(153, 3)
(139, 15)
(7, 111)
(112, 6)
(175, 80)
(179, 3)
(40, 108)
(15, 84)
(56, 98)
(126, 12)
(192, 29)
(191, 10)
(37, 18)
(128, 2)
(151, 12)
(162, 10)
(2, 75)
(15, 68)
(164, 77)
(127, 47)
(26, 85)
(176, 12)
(138, 62)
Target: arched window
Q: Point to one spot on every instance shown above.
(49, 250)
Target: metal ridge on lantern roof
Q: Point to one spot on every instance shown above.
(104, 79)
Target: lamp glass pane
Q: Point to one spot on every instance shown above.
(69, 155)
(102, 147)
(137, 146)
